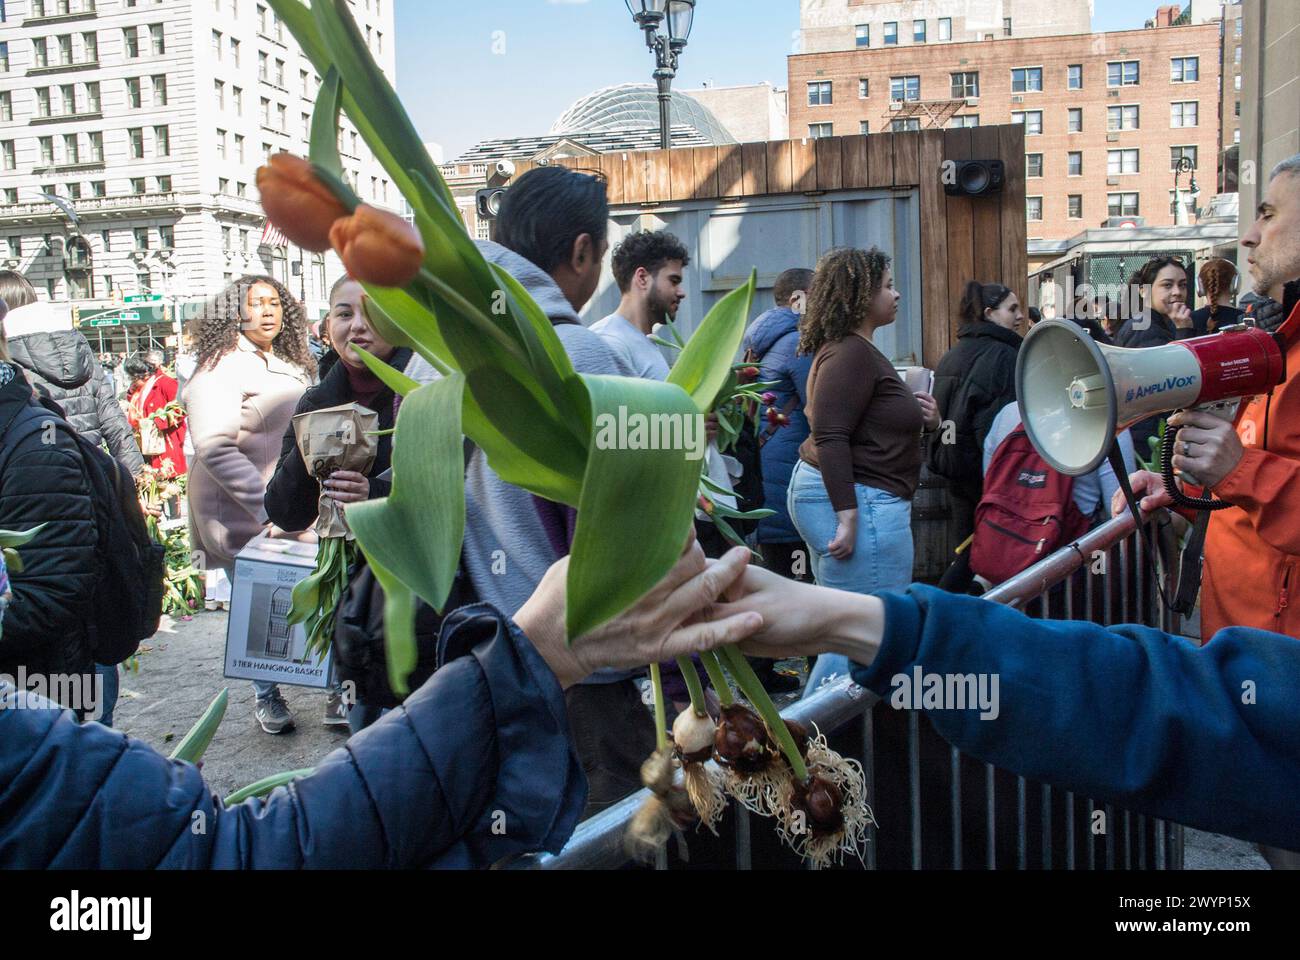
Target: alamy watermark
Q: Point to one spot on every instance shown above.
(83, 692)
(652, 431)
(919, 690)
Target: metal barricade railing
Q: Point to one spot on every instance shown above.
(1096, 578)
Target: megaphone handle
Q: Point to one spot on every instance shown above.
(1171, 485)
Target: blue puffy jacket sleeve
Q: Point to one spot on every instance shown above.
(476, 766)
(1205, 736)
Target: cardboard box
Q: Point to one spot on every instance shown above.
(260, 643)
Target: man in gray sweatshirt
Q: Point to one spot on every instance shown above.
(552, 229)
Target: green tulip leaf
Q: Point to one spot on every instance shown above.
(705, 362)
(325, 124)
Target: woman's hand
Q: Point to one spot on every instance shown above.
(929, 410)
(1180, 315)
(802, 620)
(676, 618)
(347, 486)
(846, 535)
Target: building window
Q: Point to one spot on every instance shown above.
(223, 185)
(1026, 79)
(221, 144)
(135, 137)
(1122, 117)
(1033, 165)
(216, 44)
(162, 142)
(47, 151)
(905, 125)
(1236, 27)
(96, 146)
(239, 147)
(4, 56)
(6, 106)
(891, 33)
(221, 95)
(918, 31)
(1074, 76)
(92, 97)
(1122, 204)
(904, 88)
(156, 43)
(1177, 153)
(864, 127)
(1006, 26)
(965, 85)
(819, 94)
(241, 189)
(167, 237)
(818, 130)
(1033, 208)
(7, 154)
(1184, 69)
(864, 88)
(1236, 136)
(138, 186)
(143, 285)
(71, 149)
(263, 66)
(234, 51)
(1074, 163)
(99, 189)
(141, 238)
(133, 92)
(1121, 161)
(160, 91)
(965, 120)
(1122, 73)
(945, 28)
(1183, 114)
(90, 47)
(42, 102)
(131, 41)
(1236, 83)
(65, 50)
(1032, 119)
(237, 96)
(227, 237)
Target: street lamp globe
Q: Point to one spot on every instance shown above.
(681, 16)
(646, 8)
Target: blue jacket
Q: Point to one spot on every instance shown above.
(477, 765)
(1205, 736)
(774, 338)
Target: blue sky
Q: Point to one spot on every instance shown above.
(472, 69)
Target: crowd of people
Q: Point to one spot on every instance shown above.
(838, 465)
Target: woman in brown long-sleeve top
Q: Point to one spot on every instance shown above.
(851, 493)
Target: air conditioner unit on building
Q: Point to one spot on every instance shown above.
(1017, 99)
(896, 105)
(972, 101)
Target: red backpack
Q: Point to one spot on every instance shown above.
(1026, 513)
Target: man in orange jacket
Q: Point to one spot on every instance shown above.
(1251, 573)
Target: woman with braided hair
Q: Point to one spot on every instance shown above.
(850, 495)
(1217, 283)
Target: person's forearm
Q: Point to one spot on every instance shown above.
(1267, 486)
(1200, 735)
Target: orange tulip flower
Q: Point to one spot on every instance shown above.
(378, 247)
(297, 202)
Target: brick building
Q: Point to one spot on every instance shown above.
(1106, 114)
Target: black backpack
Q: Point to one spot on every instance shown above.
(359, 652)
(128, 601)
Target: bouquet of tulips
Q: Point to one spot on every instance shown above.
(509, 386)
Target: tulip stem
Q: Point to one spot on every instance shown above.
(754, 692)
(661, 714)
(698, 703)
(716, 677)
(474, 314)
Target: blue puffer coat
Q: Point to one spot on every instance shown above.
(774, 338)
(483, 744)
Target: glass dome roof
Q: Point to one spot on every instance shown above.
(631, 106)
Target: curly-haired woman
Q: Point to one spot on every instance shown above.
(851, 492)
(252, 366)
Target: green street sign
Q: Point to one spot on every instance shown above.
(130, 317)
(145, 298)
(106, 322)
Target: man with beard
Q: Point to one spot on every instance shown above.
(649, 268)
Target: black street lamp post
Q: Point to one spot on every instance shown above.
(649, 16)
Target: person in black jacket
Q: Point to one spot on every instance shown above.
(1217, 282)
(61, 366)
(974, 381)
(1163, 284)
(292, 496)
(42, 484)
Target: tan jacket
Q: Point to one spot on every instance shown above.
(238, 411)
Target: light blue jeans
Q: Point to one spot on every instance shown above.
(882, 555)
